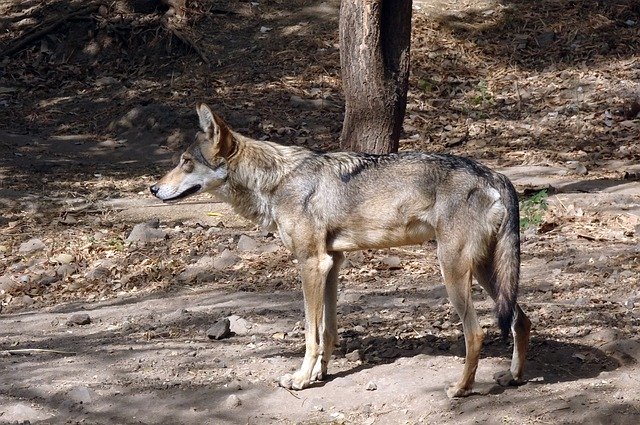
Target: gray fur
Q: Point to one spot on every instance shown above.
(323, 204)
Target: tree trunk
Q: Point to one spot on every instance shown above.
(375, 38)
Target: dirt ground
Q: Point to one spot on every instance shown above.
(92, 112)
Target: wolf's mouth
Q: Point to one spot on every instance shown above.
(188, 192)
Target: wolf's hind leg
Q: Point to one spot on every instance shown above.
(521, 330)
(456, 271)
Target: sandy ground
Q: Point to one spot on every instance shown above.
(544, 93)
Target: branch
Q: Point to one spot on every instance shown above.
(36, 33)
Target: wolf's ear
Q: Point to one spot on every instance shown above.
(207, 121)
(215, 130)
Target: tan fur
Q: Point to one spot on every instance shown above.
(323, 204)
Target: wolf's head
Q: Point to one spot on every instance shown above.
(203, 166)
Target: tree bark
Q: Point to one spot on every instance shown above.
(375, 38)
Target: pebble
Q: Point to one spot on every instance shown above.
(79, 319)
(31, 245)
(198, 272)
(393, 262)
(65, 269)
(220, 329)
(232, 401)
(239, 326)
(145, 232)
(354, 356)
(7, 284)
(245, 243)
(225, 260)
(63, 258)
(371, 386)
(81, 395)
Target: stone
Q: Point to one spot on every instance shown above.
(20, 413)
(245, 243)
(63, 258)
(225, 260)
(625, 351)
(81, 395)
(26, 300)
(31, 245)
(145, 232)
(106, 81)
(198, 272)
(393, 262)
(220, 329)
(238, 325)
(371, 386)
(79, 319)
(354, 356)
(65, 269)
(232, 401)
(7, 284)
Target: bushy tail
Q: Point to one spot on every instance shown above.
(506, 260)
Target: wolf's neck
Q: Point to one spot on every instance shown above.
(255, 171)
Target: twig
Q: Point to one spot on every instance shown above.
(23, 351)
(291, 392)
(36, 34)
(186, 40)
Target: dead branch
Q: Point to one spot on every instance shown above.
(45, 28)
(185, 39)
(28, 351)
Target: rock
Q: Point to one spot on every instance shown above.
(106, 81)
(198, 272)
(268, 248)
(545, 39)
(97, 273)
(65, 269)
(81, 395)
(225, 260)
(359, 329)
(7, 284)
(176, 316)
(63, 258)
(245, 243)
(371, 386)
(577, 168)
(25, 300)
(47, 279)
(232, 401)
(393, 262)
(625, 351)
(20, 413)
(220, 329)
(79, 319)
(354, 356)
(31, 245)
(238, 325)
(145, 232)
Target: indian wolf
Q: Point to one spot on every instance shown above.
(323, 204)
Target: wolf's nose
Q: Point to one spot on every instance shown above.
(154, 189)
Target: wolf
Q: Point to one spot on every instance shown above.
(325, 203)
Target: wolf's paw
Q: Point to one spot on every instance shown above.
(506, 379)
(455, 391)
(319, 371)
(294, 381)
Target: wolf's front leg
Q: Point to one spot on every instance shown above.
(329, 334)
(314, 272)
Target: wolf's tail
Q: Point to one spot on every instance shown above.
(506, 259)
